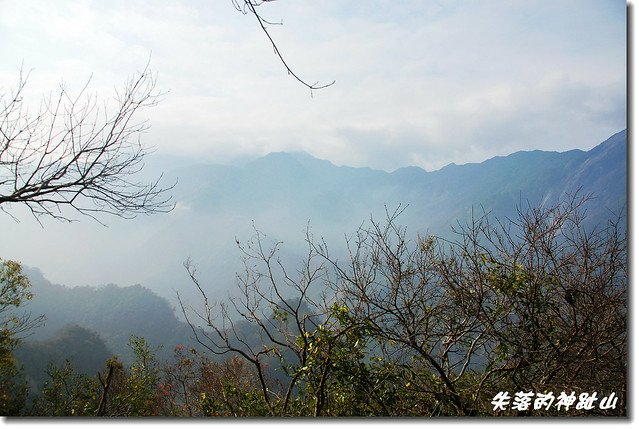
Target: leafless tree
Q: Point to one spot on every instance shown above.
(535, 303)
(391, 283)
(77, 153)
(250, 7)
(436, 326)
(550, 293)
(269, 322)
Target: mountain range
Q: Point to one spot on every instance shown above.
(300, 187)
(281, 194)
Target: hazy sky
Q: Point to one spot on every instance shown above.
(424, 82)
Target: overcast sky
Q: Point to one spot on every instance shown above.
(424, 82)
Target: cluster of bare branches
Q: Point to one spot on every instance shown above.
(285, 309)
(77, 153)
(434, 326)
(549, 296)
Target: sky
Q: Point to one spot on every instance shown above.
(424, 82)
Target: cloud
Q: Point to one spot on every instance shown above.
(421, 82)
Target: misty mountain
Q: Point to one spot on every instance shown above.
(112, 314)
(296, 186)
(282, 194)
(82, 348)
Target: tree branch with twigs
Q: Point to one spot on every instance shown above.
(76, 154)
(250, 7)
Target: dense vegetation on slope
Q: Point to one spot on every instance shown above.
(84, 350)
(114, 312)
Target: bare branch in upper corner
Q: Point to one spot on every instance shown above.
(250, 7)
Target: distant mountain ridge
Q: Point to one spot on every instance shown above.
(282, 193)
(316, 189)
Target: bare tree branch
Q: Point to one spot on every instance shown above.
(250, 7)
(77, 154)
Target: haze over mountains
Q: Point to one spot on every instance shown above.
(282, 193)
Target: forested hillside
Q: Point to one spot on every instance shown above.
(80, 347)
(114, 313)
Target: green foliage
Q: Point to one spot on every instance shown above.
(13, 284)
(67, 393)
(13, 387)
(117, 391)
(14, 293)
(132, 392)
